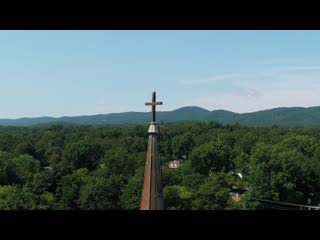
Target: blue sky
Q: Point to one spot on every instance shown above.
(68, 73)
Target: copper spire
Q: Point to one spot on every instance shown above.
(152, 198)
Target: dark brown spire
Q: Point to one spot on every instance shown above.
(152, 198)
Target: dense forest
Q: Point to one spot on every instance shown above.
(102, 167)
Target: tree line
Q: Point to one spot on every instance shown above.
(102, 167)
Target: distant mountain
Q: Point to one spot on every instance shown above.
(294, 116)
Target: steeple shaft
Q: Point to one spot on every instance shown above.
(152, 198)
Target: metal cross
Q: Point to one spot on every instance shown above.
(153, 104)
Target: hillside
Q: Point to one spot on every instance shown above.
(295, 116)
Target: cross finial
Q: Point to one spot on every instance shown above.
(153, 104)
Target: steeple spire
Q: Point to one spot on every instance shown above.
(152, 198)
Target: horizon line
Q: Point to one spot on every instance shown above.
(88, 115)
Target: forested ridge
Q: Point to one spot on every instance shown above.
(102, 167)
(284, 116)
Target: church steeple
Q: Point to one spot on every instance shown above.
(152, 198)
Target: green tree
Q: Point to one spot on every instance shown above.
(42, 182)
(47, 201)
(71, 185)
(177, 197)
(275, 173)
(84, 153)
(213, 194)
(119, 161)
(211, 156)
(101, 192)
(16, 198)
(26, 148)
(170, 176)
(17, 170)
(182, 145)
(132, 193)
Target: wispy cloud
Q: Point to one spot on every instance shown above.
(268, 100)
(209, 79)
(272, 61)
(264, 74)
(302, 68)
(269, 88)
(250, 92)
(297, 77)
